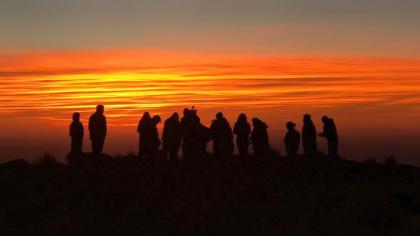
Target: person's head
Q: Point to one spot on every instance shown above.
(76, 116)
(219, 116)
(259, 124)
(146, 115)
(307, 118)
(175, 116)
(325, 119)
(100, 109)
(290, 126)
(156, 119)
(255, 121)
(242, 118)
(186, 111)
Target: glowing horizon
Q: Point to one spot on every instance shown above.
(131, 82)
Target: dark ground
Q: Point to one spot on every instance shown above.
(129, 196)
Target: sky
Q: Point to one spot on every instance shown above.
(357, 61)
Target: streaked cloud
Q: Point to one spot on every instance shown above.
(54, 84)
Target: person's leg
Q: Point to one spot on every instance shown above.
(78, 143)
(101, 145)
(335, 149)
(73, 146)
(332, 149)
(94, 145)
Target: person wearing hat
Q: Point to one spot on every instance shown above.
(291, 140)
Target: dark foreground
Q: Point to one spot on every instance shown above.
(128, 196)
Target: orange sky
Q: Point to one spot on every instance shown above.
(367, 96)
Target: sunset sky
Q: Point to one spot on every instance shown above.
(357, 61)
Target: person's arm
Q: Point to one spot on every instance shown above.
(70, 131)
(298, 142)
(82, 129)
(105, 127)
(165, 131)
(323, 133)
(235, 129)
(90, 125)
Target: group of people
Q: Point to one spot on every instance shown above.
(190, 135)
(309, 137)
(97, 131)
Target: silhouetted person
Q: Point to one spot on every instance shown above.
(97, 129)
(291, 140)
(172, 136)
(330, 133)
(143, 129)
(195, 135)
(201, 135)
(242, 131)
(189, 123)
(155, 141)
(76, 134)
(309, 136)
(259, 138)
(222, 136)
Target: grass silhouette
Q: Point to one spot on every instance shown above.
(126, 195)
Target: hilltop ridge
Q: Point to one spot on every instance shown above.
(126, 195)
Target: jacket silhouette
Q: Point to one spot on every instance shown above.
(97, 129)
(201, 135)
(172, 136)
(143, 128)
(330, 133)
(76, 134)
(242, 130)
(189, 123)
(291, 140)
(259, 138)
(195, 135)
(222, 136)
(155, 141)
(309, 136)
(149, 137)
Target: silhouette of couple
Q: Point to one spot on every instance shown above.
(195, 135)
(97, 130)
(309, 135)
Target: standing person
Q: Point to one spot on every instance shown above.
(242, 129)
(154, 135)
(259, 138)
(149, 137)
(187, 127)
(76, 134)
(330, 133)
(97, 129)
(172, 136)
(202, 135)
(191, 134)
(309, 136)
(142, 129)
(221, 133)
(291, 140)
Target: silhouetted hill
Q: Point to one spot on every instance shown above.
(131, 196)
